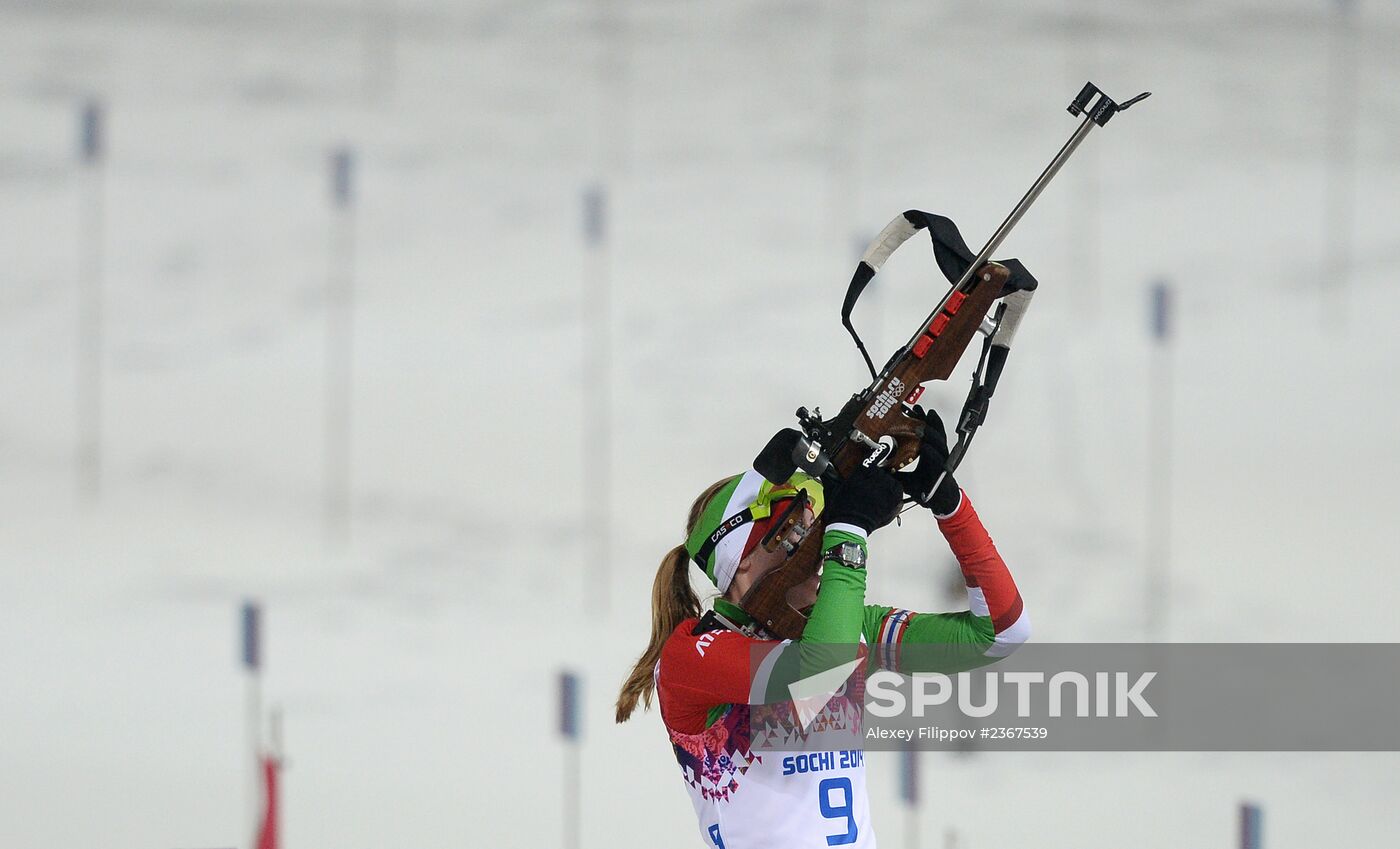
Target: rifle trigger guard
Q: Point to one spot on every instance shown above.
(880, 451)
(864, 440)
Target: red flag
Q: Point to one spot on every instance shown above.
(267, 832)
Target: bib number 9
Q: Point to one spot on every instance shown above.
(843, 808)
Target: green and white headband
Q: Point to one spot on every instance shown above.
(734, 521)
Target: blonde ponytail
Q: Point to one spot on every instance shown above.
(673, 601)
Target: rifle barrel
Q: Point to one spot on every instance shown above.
(1011, 220)
(1029, 198)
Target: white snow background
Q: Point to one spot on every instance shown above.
(746, 149)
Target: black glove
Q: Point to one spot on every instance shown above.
(868, 499)
(933, 454)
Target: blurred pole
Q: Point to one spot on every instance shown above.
(1251, 826)
(269, 834)
(597, 387)
(1338, 241)
(596, 313)
(339, 349)
(378, 45)
(909, 792)
(90, 322)
(274, 734)
(1159, 453)
(570, 693)
(614, 49)
(251, 627)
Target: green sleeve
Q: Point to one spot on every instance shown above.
(831, 637)
(838, 615)
(927, 642)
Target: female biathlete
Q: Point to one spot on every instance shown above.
(707, 670)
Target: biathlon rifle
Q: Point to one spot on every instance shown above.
(875, 426)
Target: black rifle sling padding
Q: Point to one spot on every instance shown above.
(950, 251)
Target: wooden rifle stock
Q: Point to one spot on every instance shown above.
(878, 412)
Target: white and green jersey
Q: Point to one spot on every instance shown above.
(746, 789)
(734, 741)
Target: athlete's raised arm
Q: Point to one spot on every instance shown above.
(995, 622)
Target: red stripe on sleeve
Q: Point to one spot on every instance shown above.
(982, 565)
(1007, 619)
